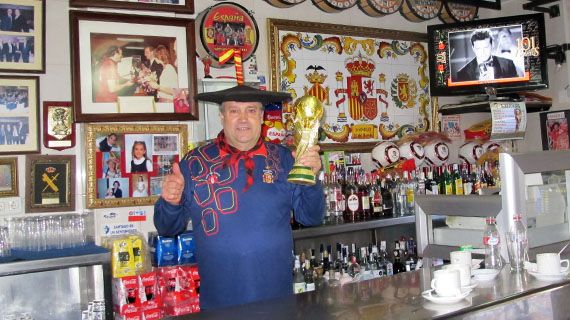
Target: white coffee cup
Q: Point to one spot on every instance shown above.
(385, 153)
(550, 263)
(446, 282)
(460, 257)
(464, 272)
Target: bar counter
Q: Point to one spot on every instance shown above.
(508, 296)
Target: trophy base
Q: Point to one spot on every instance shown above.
(301, 175)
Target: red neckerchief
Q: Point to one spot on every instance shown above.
(235, 155)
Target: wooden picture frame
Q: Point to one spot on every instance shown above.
(114, 76)
(186, 6)
(115, 178)
(347, 68)
(22, 36)
(50, 183)
(491, 4)
(9, 177)
(19, 115)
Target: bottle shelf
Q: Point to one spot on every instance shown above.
(325, 230)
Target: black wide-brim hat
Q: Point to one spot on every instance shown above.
(243, 93)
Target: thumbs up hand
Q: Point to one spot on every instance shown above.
(173, 185)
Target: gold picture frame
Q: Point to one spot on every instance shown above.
(8, 177)
(50, 183)
(127, 162)
(324, 60)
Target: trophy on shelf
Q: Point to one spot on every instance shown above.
(308, 113)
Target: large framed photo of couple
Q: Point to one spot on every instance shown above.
(127, 163)
(179, 6)
(132, 68)
(22, 35)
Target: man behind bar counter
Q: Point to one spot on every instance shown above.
(235, 190)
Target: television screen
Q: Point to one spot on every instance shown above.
(507, 53)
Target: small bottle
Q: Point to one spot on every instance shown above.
(517, 244)
(492, 242)
(299, 285)
(309, 278)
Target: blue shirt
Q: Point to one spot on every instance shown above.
(244, 240)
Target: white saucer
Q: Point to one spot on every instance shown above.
(433, 297)
(548, 276)
(471, 285)
(485, 274)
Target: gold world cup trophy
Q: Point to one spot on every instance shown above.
(308, 113)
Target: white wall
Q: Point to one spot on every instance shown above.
(55, 84)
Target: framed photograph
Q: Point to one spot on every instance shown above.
(373, 83)
(127, 163)
(22, 36)
(140, 67)
(50, 183)
(178, 6)
(8, 177)
(491, 4)
(19, 120)
(554, 130)
(58, 130)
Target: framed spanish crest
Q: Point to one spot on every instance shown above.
(59, 133)
(50, 183)
(373, 83)
(226, 26)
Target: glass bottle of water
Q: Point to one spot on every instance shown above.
(517, 244)
(492, 242)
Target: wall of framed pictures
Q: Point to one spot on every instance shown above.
(59, 131)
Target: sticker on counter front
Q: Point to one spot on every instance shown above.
(509, 120)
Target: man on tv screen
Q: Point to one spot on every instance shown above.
(485, 66)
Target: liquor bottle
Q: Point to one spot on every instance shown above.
(398, 265)
(421, 182)
(383, 267)
(353, 268)
(373, 261)
(299, 285)
(364, 196)
(410, 204)
(340, 200)
(398, 197)
(412, 254)
(476, 180)
(375, 196)
(488, 175)
(467, 181)
(313, 262)
(447, 182)
(353, 209)
(309, 278)
(492, 242)
(457, 181)
(326, 192)
(387, 201)
(431, 184)
(517, 244)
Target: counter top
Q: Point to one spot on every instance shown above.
(399, 297)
